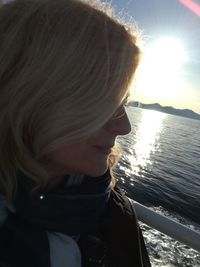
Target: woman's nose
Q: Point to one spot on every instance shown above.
(119, 126)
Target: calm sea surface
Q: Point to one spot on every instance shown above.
(160, 167)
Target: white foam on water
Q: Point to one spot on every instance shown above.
(165, 251)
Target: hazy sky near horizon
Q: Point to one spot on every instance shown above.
(170, 71)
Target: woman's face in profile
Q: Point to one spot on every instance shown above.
(89, 157)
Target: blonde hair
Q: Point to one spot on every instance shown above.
(65, 66)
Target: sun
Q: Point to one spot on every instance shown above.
(159, 75)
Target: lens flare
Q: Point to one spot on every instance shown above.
(193, 6)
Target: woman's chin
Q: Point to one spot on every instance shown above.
(98, 171)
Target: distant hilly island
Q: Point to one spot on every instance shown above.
(170, 110)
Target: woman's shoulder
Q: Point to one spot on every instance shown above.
(120, 200)
(121, 226)
(119, 213)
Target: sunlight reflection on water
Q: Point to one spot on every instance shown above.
(159, 168)
(145, 140)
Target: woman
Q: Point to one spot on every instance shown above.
(65, 71)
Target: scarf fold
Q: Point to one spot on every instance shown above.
(70, 209)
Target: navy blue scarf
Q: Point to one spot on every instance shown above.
(23, 238)
(72, 209)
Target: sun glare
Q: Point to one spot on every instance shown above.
(169, 53)
(159, 74)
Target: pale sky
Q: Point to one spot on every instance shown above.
(170, 71)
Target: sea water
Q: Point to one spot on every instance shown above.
(160, 168)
